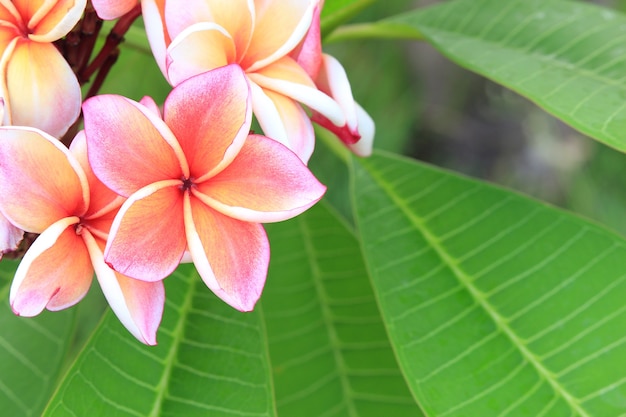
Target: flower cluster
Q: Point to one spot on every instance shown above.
(142, 187)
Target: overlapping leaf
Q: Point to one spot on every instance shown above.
(567, 56)
(211, 360)
(329, 350)
(495, 304)
(31, 351)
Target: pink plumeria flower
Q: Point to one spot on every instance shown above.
(259, 35)
(112, 9)
(195, 179)
(39, 88)
(50, 190)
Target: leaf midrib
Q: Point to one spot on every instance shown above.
(465, 280)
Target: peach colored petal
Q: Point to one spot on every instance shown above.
(101, 199)
(147, 239)
(212, 127)
(8, 13)
(265, 183)
(40, 181)
(286, 77)
(137, 304)
(231, 256)
(55, 273)
(280, 25)
(37, 77)
(199, 48)
(129, 147)
(10, 236)
(235, 16)
(112, 9)
(54, 19)
(283, 120)
(153, 12)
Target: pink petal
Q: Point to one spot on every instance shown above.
(199, 48)
(309, 53)
(10, 236)
(280, 25)
(55, 273)
(102, 199)
(112, 9)
(235, 16)
(231, 256)
(53, 19)
(147, 239)
(38, 77)
(286, 77)
(129, 146)
(138, 304)
(40, 181)
(283, 120)
(265, 183)
(210, 114)
(149, 103)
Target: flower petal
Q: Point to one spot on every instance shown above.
(55, 273)
(153, 13)
(309, 53)
(210, 114)
(129, 146)
(366, 129)
(231, 256)
(137, 304)
(283, 120)
(38, 77)
(279, 27)
(40, 181)
(235, 16)
(54, 19)
(101, 198)
(112, 9)
(199, 48)
(265, 183)
(288, 78)
(10, 236)
(149, 103)
(147, 238)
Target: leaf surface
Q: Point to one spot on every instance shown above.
(495, 304)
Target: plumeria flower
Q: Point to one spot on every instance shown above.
(112, 9)
(38, 86)
(50, 190)
(260, 36)
(195, 179)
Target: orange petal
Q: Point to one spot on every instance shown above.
(147, 239)
(129, 146)
(102, 199)
(210, 114)
(51, 20)
(138, 304)
(231, 256)
(280, 25)
(55, 273)
(265, 183)
(284, 120)
(38, 77)
(40, 181)
(199, 48)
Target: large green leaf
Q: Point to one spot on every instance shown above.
(210, 360)
(495, 304)
(566, 56)
(329, 350)
(32, 352)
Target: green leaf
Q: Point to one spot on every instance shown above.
(210, 360)
(32, 352)
(336, 12)
(329, 350)
(566, 56)
(495, 304)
